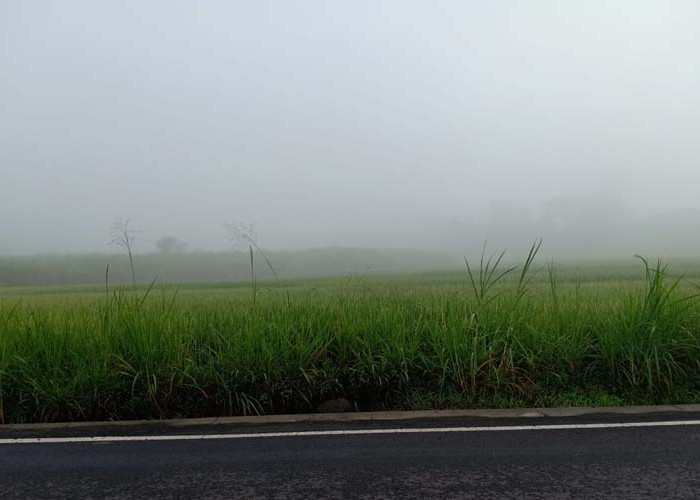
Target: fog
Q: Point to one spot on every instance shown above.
(406, 124)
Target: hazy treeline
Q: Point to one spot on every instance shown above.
(44, 270)
(596, 232)
(223, 267)
(577, 228)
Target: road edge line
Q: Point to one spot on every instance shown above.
(343, 432)
(365, 417)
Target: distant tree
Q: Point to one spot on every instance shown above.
(171, 245)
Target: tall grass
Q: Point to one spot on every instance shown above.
(492, 337)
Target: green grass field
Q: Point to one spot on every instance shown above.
(596, 335)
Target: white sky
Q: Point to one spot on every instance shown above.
(336, 123)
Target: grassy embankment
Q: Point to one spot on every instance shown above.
(421, 341)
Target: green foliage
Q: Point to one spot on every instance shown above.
(484, 338)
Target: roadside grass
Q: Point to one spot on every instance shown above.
(531, 336)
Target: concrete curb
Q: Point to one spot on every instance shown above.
(365, 417)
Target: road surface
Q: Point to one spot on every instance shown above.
(592, 457)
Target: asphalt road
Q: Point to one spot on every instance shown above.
(619, 463)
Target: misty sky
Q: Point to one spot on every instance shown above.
(365, 123)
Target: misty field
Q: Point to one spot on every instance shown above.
(529, 337)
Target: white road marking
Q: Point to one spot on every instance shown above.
(346, 432)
